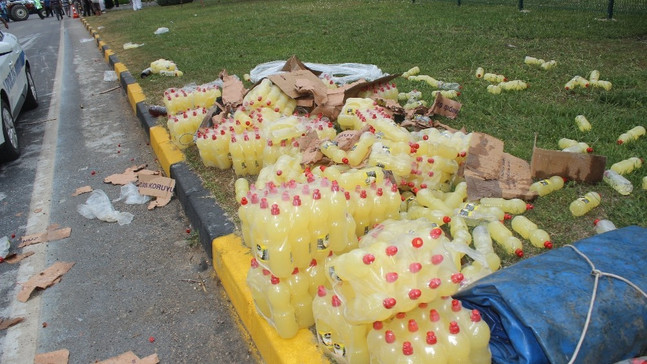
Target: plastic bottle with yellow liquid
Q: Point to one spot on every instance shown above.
(631, 135)
(565, 143)
(503, 236)
(530, 231)
(495, 78)
(300, 298)
(299, 234)
(277, 254)
(627, 166)
(580, 147)
(582, 123)
(344, 341)
(514, 206)
(483, 244)
(360, 150)
(585, 203)
(546, 186)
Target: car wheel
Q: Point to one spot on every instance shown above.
(10, 150)
(42, 13)
(32, 96)
(19, 12)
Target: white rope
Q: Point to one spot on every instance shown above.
(597, 273)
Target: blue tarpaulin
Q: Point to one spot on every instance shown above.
(537, 308)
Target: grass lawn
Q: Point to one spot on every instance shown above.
(448, 43)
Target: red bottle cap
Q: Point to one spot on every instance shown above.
(389, 302)
(431, 338)
(454, 328)
(417, 242)
(407, 349)
(368, 259)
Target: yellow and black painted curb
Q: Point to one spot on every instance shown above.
(230, 257)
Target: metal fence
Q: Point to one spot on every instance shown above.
(604, 6)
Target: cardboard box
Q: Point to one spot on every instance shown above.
(546, 163)
(489, 172)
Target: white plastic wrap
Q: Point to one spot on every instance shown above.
(341, 73)
(98, 206)
(130, 195)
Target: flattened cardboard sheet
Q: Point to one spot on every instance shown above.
(156, 186)
(52, 233)
(445, 107)
(130, 358)
(53, 357)
(546, 163)
(44, 279)
(489, 172)
(7, 323)
(233, 89)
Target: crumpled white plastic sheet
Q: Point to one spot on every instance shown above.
(341, 73)
(131, 196)
(98, 206)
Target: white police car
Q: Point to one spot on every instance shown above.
(17, 90)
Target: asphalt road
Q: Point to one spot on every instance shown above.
(143, 287)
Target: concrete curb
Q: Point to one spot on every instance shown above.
(230, 257)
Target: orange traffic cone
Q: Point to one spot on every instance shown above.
(75, 14)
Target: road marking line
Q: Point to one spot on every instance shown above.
(21, 341)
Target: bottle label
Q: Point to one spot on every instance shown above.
(323, 242)
(468, 210)
(339, 350)
(326, 339)
(333, 275)
(371, 177)
(261, 252)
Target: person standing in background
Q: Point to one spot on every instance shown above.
(87, 7)
(48, 8)
(137, 4)
(38, 7)
(57, 9)
(96, 7)
(66, 7)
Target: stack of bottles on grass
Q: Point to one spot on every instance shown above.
(186, 107)
(370, 243)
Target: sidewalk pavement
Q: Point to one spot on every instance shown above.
(218, 235)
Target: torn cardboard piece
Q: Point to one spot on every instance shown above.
(52, 233)
(82, 190)
(295, 64)
(130, 175)
(53, 357)
(445, 107)
(233, 89)
(7, 323)
(130, 358)
(15, 258)
(44, 279)
(309, 146)
(489, 172)
(157, 186)
(546, 163)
